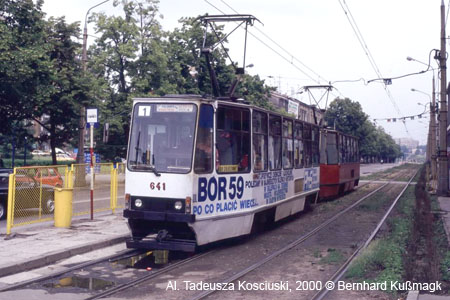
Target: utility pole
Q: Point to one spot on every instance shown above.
(433, 134)
(442, 159)
(80, 172)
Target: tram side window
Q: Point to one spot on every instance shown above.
(308, 145)
(275, 142)
(288, 146)
(348, 149)
(315, 145)
(352, 141)
(332, 150)
(357, 150)
(342, 149)
(298, 145)
(204, 146)
(233, 140)
(259, 141)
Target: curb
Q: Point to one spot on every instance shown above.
(55, 256)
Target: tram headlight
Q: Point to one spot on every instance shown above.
(138, 203)
(178, 205)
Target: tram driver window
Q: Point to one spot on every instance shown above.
(204, 145)
(233, 140)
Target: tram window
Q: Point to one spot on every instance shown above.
(204, 146)
(275, 142)
(298, 145)
(341, 148)
(315, 145)
(323, 149)
(332, 150)
(259, 141)
(347, 149)
(307, 145)
(162, 137)
(288, 145)
(352, 143)
(357, 150)
(232, 140)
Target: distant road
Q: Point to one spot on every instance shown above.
(367, 169)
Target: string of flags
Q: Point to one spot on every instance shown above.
(402, 119)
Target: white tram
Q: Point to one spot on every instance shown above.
(200, 170)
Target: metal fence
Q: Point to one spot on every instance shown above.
(31, 191)
(31, 195)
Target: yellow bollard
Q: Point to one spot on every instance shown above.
(63, 207)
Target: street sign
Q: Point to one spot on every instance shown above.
(91, 115)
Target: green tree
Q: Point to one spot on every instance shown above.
(57, 110)
(126, 60)
(348, 117)
(189, 70)
(24, 63)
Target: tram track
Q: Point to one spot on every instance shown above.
(338, 274)
(184, 262)
(116, 256)
(249, 269)
(341, 271)
(147, 277)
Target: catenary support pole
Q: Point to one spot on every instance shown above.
(442, 159)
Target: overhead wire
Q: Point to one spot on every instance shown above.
(271, 48)
(279, 46)
(369, 55)
(291, 56)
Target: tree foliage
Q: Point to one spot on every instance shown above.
(24, 63)
(42, 79)
(347, 116)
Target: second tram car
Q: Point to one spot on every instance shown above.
(339, 163)
(200, 170)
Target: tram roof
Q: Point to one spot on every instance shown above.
(223, 100)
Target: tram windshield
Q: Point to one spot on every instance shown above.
(162, 138)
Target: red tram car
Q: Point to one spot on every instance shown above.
(339, 163)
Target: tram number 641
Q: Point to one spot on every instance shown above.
(158, 185)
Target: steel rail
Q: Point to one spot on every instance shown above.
(132, 283)
(121, 254)
(152, 275)
(289, 246)
(341, 271)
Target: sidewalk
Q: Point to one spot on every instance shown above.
(30, 248)
(444, 204)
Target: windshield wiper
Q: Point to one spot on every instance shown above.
(146, 168)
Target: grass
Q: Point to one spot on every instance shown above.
(383, 259)
(333, 257)
(374, 202)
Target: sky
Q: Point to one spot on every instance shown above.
(311, 42)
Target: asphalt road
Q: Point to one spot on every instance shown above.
(367, 169)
